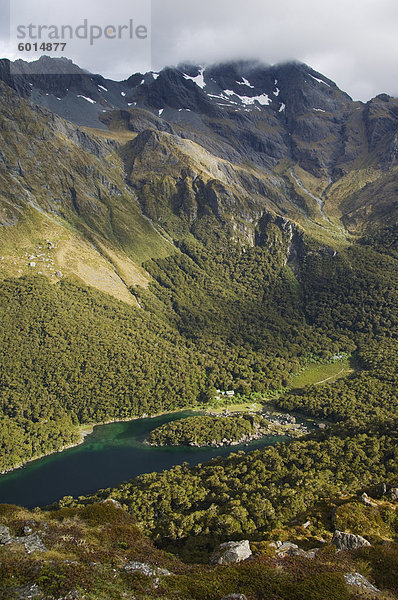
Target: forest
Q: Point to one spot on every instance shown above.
(214, 317)
(353, 298)
(208, 430)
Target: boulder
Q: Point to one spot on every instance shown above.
(366, 500)
(235, 597)
(115, 503)
(348, 541)
(32, 543)
(290, 549)
(232, 552)
(382, 489)
(286, 548)
(59, 274)
(358, 580)
(393, 494)
(5, 535)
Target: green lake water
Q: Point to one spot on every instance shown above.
(110, 455)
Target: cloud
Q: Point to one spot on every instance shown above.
(354, 42)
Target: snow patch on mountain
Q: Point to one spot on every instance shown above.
(199, 79)
(318, 80)
(85, 98)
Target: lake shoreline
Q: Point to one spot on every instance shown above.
(86, 430)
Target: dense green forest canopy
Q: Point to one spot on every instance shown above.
(214, 317)
(251, 494)
(207, 430)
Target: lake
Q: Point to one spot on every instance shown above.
(110, 455)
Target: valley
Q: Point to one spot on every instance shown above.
(178, 236)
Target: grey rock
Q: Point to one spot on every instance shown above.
(138, 567)
(72, 595)
(59, 274)
(290, 549)
(348, 541)
(115, 503)
(358, 580)
(235, 597)
(382, 490)
(147, 570)
(286, 547)
(26, 592)
(366, 500)
(33, 543)
(232, 552)
(393, 494)
(5, 535)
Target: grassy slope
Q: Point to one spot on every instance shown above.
(88, 549)
(318, 374)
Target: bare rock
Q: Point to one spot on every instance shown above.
(348, 541)
(153, 572)
(59, 274)
(393, 494)
(286, 548)
(290, 549)
(366, 500)
(27, 592)
(115, 503)
(232, 552)
(358, 580)
(33, 543)
(5, 535)
(235, 597)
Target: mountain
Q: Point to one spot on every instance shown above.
(188, 231)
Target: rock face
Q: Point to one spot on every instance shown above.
(348, 541)
(358, 580)
(232, 552)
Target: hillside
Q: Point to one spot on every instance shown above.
(98, 552)
(179, 233)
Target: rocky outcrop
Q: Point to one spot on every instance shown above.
(26, 592)
(149, 571)
(5, 535)
(114, 503)
(393, 494)
(348, 541)
(358, 580)
(32, 542)
(367, 501)
(283, 549)
(232, 552)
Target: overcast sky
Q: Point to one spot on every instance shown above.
(353, 42)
